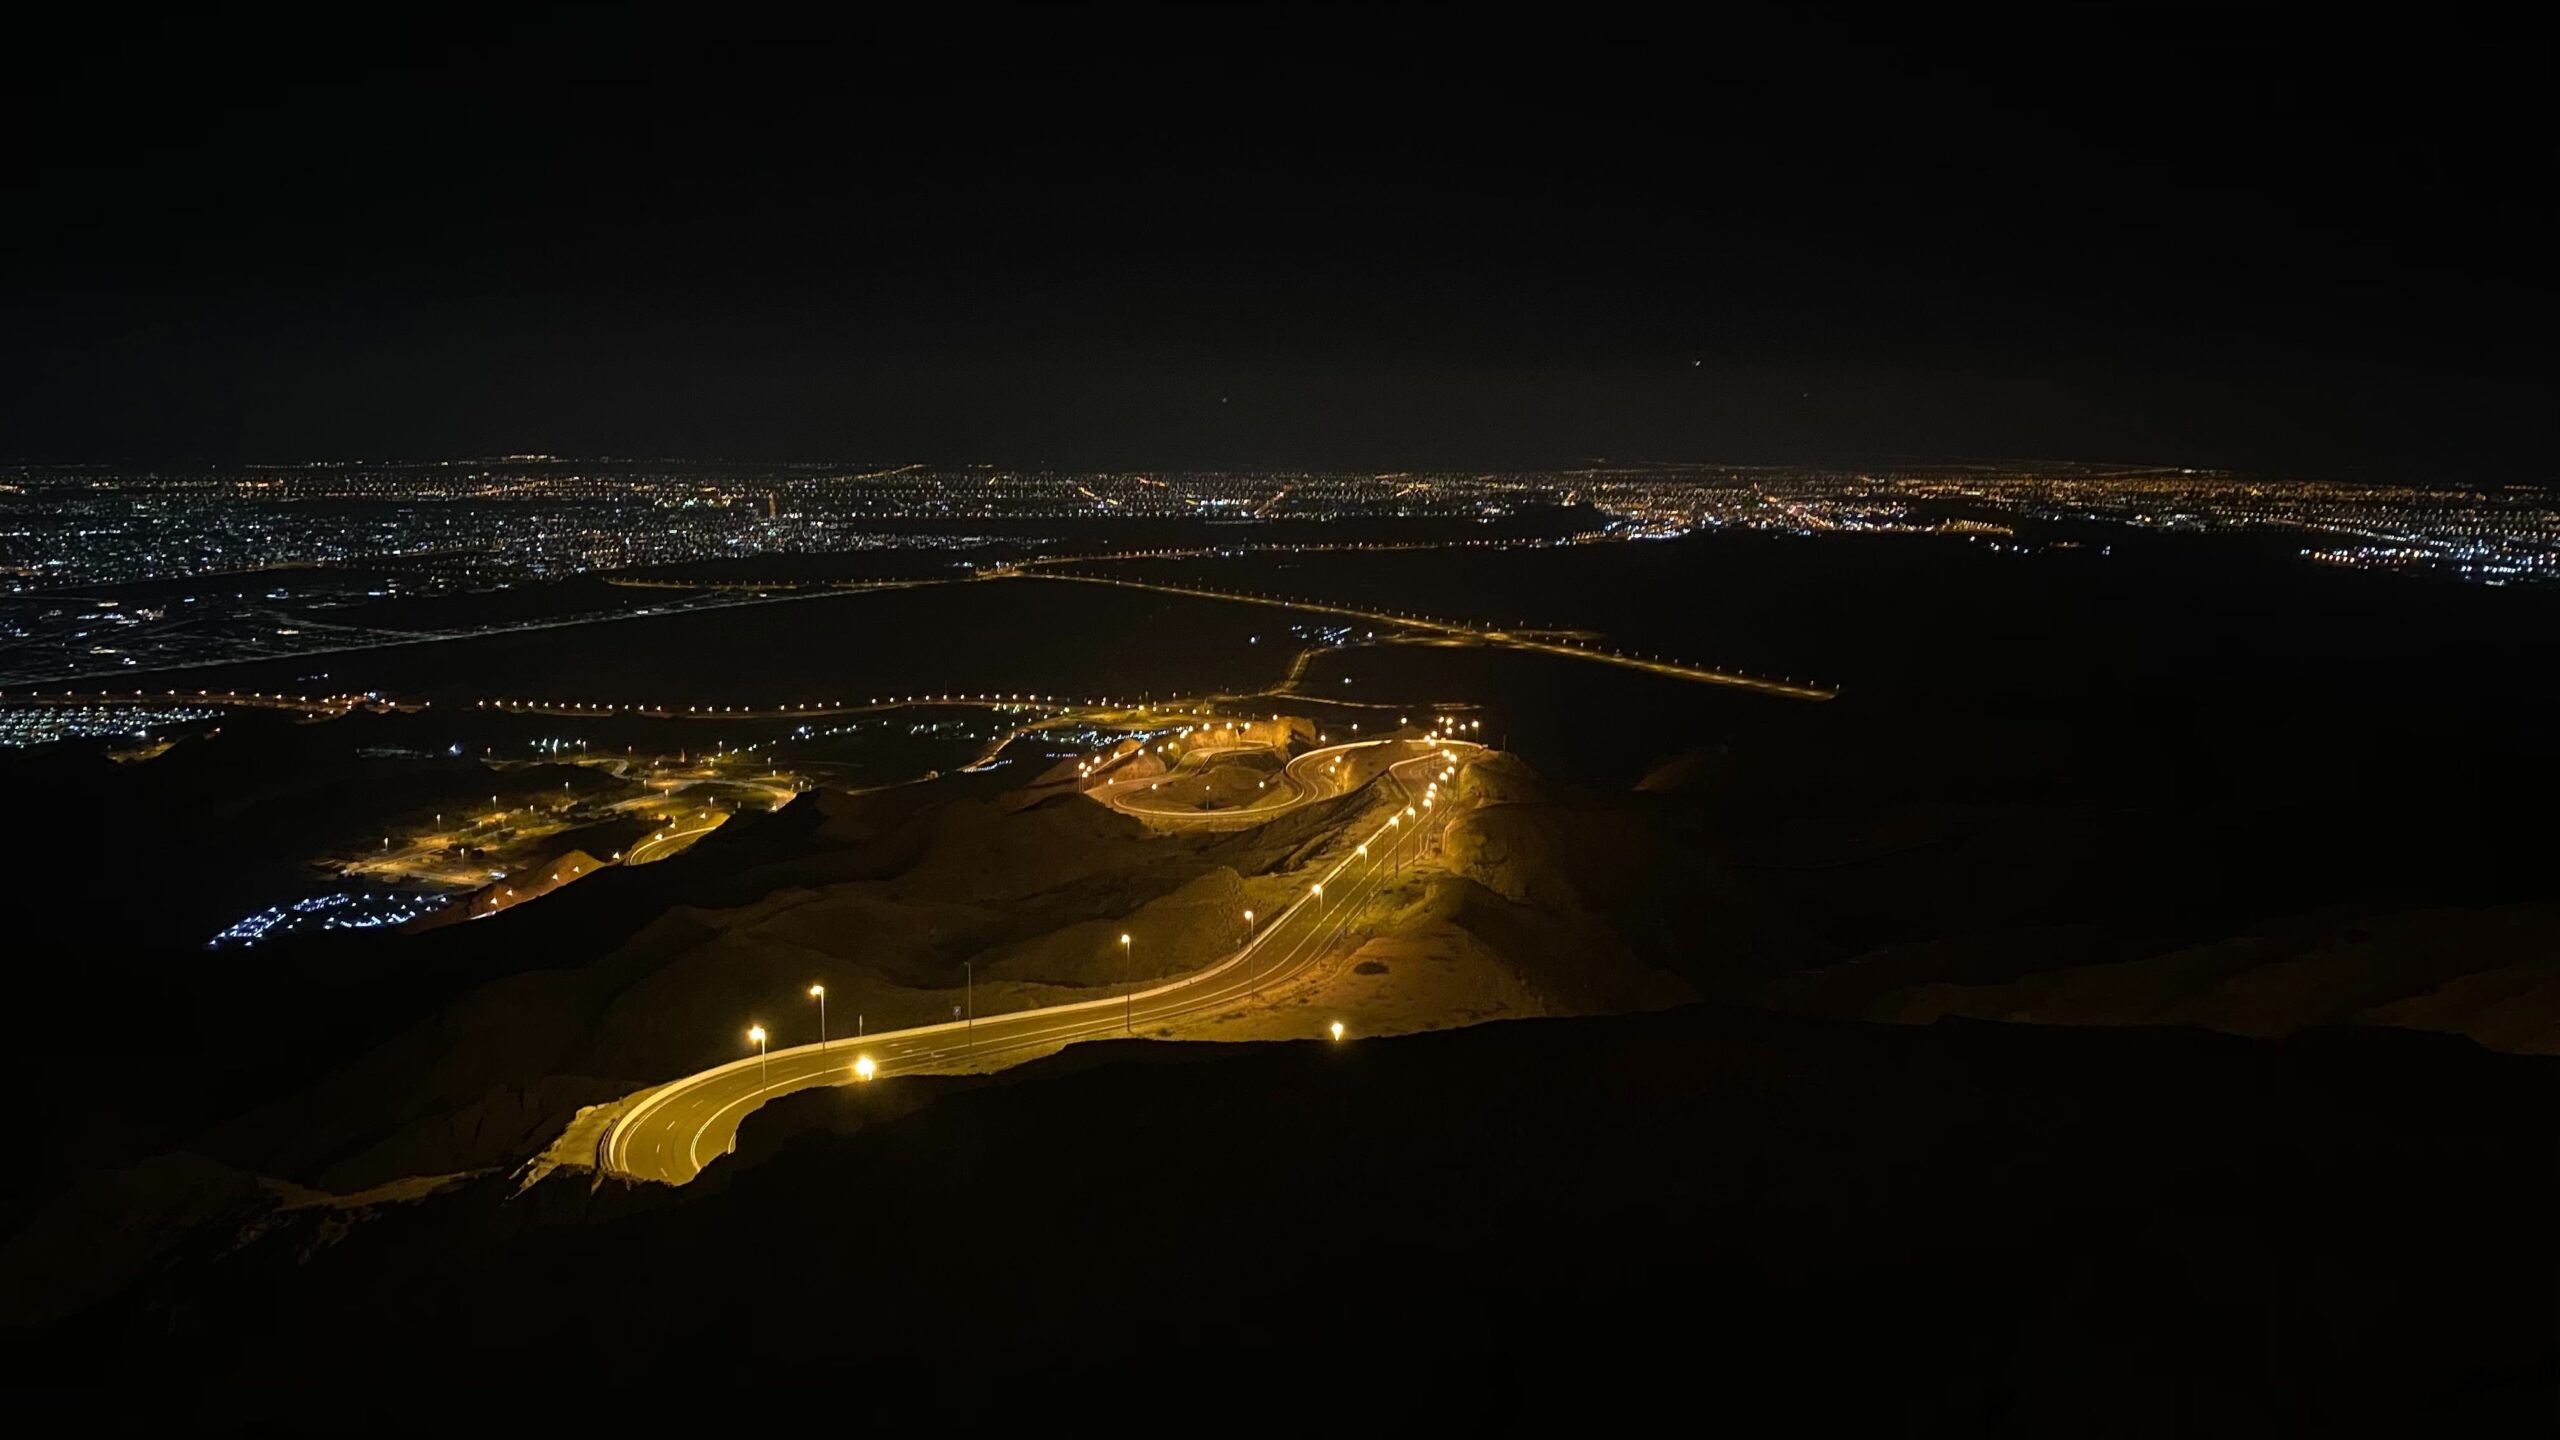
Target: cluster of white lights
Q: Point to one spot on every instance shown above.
(338, 911)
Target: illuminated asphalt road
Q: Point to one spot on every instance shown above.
(1059, 706)
(650, 848)
(1309, 777)
(1479, 635)
(670, 1133)
(330, 705)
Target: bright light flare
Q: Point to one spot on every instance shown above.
(863, 1069)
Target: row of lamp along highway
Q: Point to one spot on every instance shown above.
(864, 1068)
(1569, 645)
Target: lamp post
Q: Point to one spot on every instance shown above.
(1129, 968)
(764, 1066)
(969, 994)
(819, 994)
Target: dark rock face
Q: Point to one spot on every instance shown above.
(1954, 1226)
(2492, 974)
(109, 1230)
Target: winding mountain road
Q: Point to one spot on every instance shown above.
(669, 1134)
(1312, 776)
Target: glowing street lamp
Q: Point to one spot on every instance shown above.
(764, 1066)
(1337, 1030)
(819, 994)
(1129, 967)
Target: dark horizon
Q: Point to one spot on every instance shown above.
(1137, 239)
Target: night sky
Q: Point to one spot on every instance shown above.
(1134, 238)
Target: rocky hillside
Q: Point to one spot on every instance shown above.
(2491, 974)
(888, 900)
(1948, 1227)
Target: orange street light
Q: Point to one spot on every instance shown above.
(819, 994)
(1129, 968)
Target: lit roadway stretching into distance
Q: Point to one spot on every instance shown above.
(1538, 641)
(670, 1133)
(1480, 634)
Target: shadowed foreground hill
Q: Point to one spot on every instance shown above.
(1959, 1225)
(635, 975)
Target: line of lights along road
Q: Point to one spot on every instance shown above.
(864, 1068)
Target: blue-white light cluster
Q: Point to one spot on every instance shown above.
(340, 910)
(44, 724)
